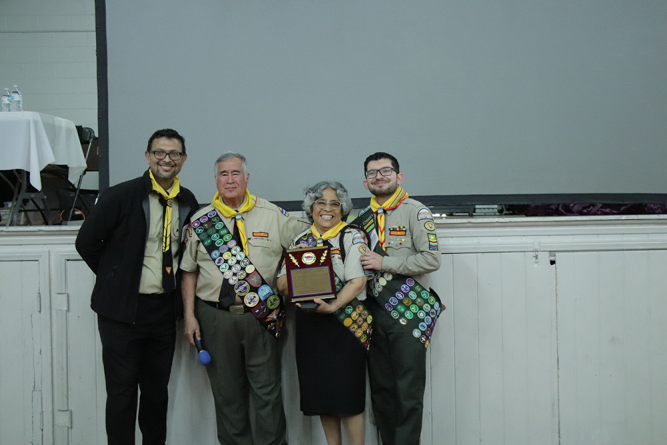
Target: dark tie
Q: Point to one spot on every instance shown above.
(168, 283)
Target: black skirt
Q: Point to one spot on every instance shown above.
(331, 363)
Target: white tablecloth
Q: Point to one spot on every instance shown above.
(30, 141)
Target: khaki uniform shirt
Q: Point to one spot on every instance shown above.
(151, 272)
(410, 241)
(269, 229)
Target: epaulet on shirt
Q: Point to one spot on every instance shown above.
(364, 210)
(202, 211)
(283, 211)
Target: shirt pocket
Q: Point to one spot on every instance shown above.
(265, 243)
(399, 242)
(336, 260)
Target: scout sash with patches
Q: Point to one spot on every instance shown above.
(355, 316)
(239, 273)
(407, 301)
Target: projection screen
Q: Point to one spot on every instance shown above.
(497, 98)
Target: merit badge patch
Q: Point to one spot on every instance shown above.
(273, 302)
(255, 280)
(398, 231)
(429, 226)
(260, 310)
(432, 241)
(251, 299)
(264, 292)
(424, 214)
(242, 288)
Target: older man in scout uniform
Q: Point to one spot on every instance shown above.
(229, 270)
(403, 247)
(131, 241)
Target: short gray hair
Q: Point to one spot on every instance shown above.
(315, 192)
(226, 157)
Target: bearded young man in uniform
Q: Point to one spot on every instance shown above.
(403, 247)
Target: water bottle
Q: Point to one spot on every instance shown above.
(6, 99)
(16, 103)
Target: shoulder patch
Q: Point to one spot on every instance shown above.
(424, 214)
(364, 210)
(358, 238)
(429, 226)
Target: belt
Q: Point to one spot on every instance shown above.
(236, 309)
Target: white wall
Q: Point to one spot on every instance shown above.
(47, 48)
(554, 333)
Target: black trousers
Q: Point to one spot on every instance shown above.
(139, 356)
(397, 374)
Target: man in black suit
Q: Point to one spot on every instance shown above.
(132, 242)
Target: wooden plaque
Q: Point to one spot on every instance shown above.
(310, 274)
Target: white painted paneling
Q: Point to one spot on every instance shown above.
(611, 325)
(441, 388)
(191, 414)
(540, 355)
(21, 384)
(499, 329)
(84, 378)
(526, 352)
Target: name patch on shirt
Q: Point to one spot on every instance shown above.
(260, 234)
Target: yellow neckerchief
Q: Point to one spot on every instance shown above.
(331, 233)
(169, 197)
(394, 201)
(228, 212)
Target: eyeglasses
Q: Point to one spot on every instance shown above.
(384, 171)
(173, 155)
(335, 205)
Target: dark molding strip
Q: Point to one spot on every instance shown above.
(102, 92)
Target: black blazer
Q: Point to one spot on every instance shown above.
(112, 241)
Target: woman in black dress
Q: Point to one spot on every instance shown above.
(331, 342)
